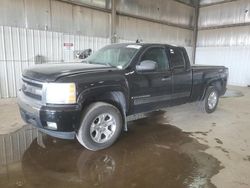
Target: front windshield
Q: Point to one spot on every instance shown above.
(115, 56)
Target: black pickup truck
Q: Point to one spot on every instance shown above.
(91, 100)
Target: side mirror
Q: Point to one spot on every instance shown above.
(146, 65)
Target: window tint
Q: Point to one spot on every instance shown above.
(159, 56)
(177, 58)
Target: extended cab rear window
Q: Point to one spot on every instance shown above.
(177, 58)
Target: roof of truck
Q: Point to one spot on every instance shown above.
(141, 44)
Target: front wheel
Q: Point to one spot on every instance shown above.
(100, 127)
(210, 101)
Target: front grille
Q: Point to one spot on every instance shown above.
(32, 89)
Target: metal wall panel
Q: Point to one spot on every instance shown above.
(236, 58)
(169, 11)
(207, 2)
(82, 20)
(12, 13)
(225, 38)
(231, 36)
(91, 22)
(101, 24)
(133, 29)
(38, 14)
(225, 14)
(53, 15)
(190, 53)
(98, 3)
(61, 16)
(19, 48)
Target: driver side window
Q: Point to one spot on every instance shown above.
(157, 55)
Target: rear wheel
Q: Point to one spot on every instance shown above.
(100, 127)
(210, 101)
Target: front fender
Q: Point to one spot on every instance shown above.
(113, 94)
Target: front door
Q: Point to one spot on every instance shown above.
(152, 90)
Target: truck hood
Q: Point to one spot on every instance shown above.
(52, 72)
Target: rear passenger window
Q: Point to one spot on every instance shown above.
(177, 58)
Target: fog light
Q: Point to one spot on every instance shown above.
(52, 125)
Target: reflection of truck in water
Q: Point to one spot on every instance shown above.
(60, 163)
(92, 99)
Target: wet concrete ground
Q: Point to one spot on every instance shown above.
(199, 150)
(151, 154)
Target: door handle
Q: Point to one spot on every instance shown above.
(166, 78)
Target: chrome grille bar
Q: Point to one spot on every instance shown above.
(32, 89)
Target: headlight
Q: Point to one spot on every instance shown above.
(61, 93)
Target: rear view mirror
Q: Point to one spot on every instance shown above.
(146, 65)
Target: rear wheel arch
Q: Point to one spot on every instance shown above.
(217, 83)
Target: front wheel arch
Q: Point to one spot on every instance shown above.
(117, 98)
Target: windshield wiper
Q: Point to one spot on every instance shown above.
(107, 64)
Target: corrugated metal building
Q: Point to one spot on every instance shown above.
(37, 30)
(224, 37)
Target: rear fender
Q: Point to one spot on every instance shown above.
(217, 82)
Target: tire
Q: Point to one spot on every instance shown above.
(100, 127)
(205, 104)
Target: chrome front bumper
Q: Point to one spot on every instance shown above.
(29, 109)
(30, 113)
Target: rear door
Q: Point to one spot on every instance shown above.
(152, 90)
(181, 75)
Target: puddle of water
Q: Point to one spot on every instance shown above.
(151, 154)
(232, 93)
